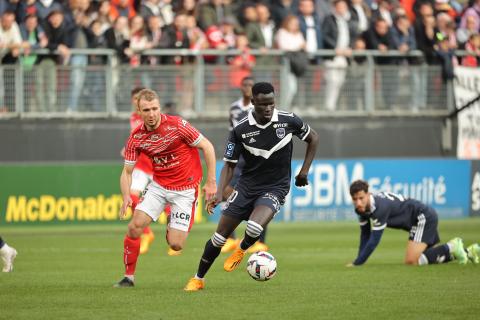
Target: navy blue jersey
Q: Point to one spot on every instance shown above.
(267, 151)
(393, 210)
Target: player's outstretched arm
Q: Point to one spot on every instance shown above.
(210, 188)
(312, 139)
(369, 247)
(125, 183)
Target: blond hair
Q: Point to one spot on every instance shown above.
(148, 95)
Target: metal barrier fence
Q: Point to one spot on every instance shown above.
(204, 89)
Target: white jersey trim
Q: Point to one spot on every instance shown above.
(130, 163)
(306, 134)
(267, 153)
(197, 141)
(383, 226)
(230, 160)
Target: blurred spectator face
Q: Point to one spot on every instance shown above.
(291, 24)
(475, 41)
(180, 21)
(191, 22)
(306, 7)
(189, 5)
(403, 24)
(96, 28)
(241, 42)
(443, 20)
(136, 24)
(7, 20)
(104, 9)
(263, 13)
(250, 14)
(31, 22)
(123, 3)
(246, 87)
(154, 23)
(56, 19)
(470, 23)
(400, 12)
(341, 8)
(426, 10)
(355, 2)
(227, 28)
(385, 5)
(381, 27)
(121, 24)
(216, 2)
(359, 44)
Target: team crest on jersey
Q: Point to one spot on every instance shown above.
(138, 136)
(280, 132)
(154, 137)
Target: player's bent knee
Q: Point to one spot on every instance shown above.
(134, 230)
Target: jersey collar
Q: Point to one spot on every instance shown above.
(253, 122)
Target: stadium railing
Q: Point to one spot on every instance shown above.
(205, 84)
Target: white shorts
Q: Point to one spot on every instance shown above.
(182, 205)
(140, 180)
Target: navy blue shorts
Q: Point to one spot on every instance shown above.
(426, 228)
(240, 204)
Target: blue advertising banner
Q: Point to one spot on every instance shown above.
(443, 184)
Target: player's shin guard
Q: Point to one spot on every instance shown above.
(131, 250)
(210, 253)
(439, 254)
(252, 234)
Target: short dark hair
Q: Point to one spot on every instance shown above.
(136, 90)
(247, 78)
(262, 87)
(357, 186)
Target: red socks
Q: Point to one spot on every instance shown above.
(131, 250)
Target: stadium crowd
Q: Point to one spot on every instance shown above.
(436, 27)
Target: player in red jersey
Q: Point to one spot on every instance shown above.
(142, 174)
(172, 144)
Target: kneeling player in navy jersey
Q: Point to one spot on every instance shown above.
(264, 140)
(378, 211)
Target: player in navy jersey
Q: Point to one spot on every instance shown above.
(264, 139)
(378, 211)
(239, 110)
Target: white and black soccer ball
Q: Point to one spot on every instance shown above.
(262, 266)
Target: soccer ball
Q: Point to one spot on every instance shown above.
(261, 266)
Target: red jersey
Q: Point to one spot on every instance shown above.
(171, 147)
(143, 161)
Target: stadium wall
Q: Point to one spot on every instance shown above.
(29, 140)
(85, 193)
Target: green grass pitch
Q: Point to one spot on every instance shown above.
(67, 272)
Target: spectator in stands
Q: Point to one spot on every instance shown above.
(310, 28)
(45, 7)
(124, 8)
(474, 12)
(252, 28)
(196, 37)
(463, 34)
(267, 26)
(58, 38)
(280, 9)
(33, 38)
(383, 11)
(102, 15)
(360, 15)
(78, 40)
(446, 26)
(189, 7)
(118, 38)
(213, 12)
(290, 38)
(425, 25)
(379, 37)
(339, 32)
(473, 48)
(10, 47)
(138, 40)
(445, 57)
(403, 35)
(242, 64)
(23, 9)
(159, 8)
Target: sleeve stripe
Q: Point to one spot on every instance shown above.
(383, 226)
(130, 163)
(230, 160)
(306, 134)
(200, 137)
(362, 223)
